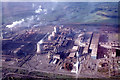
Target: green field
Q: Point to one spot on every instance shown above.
(102, 13)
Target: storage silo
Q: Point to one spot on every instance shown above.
(40, 46)
(56, 29)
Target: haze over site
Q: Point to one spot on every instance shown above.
(60, 0)
(59, 13)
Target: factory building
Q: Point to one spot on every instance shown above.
(109, 44)
(112, 41)
(86, 49)
(75, 48)
(83, 39)
(78, 41)
(73, 51)
(56, 56)
(71, 55)
(94, 45)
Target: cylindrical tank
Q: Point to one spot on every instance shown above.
(53, 34)
(50, 37)
(39, 46)
(56, 29)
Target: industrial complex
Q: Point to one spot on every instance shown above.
(79, 53)
(60, 40)
(67, 51)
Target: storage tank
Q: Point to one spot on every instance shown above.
(56, 29)
(50, 37)
(53, 34)
(40, 46)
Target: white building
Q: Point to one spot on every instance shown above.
(40, 46)
(50, 37)
(53, 34)
(76, 65)
(94, 45)
(56, 29)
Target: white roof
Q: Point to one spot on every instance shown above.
(72, 54)
(41, 41)
(75, 47)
